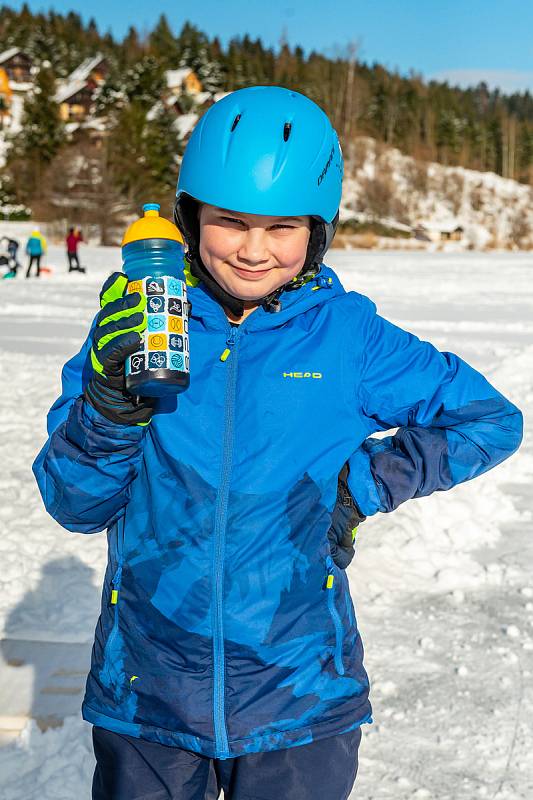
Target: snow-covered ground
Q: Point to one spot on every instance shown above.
(443, 587)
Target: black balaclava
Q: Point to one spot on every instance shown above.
(186, 218)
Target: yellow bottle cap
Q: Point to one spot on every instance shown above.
(151, 226)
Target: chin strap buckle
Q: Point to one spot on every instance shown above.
(273, 305)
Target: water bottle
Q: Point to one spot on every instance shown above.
(152, 251)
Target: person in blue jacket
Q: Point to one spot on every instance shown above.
(35, 248)
(227, 653)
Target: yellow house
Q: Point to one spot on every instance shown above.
(75, 94)
(183, 80)
(5, 95)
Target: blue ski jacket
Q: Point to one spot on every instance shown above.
(226, 627)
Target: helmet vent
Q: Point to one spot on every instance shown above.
(287, 131)
(235, 122)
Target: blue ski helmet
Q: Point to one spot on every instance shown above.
(264, 150)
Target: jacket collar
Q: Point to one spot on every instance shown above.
(318, 290)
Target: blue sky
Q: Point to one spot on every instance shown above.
(463, 40)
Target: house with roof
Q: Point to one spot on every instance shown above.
(183, 80)
(5, 97)
(445, 231)
(17, 65)
(16, 80)
(75, 94)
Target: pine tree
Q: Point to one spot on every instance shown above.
(210, 72)
(40, 138)
(142, 154)
(163, 45)
(162, 149)
(145, 81)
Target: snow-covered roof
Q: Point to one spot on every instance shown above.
(184, 124)
(175, 77)
(82, 72)
(444, 226)
(94, 124)
(68, 89)
(19, 86)
(154, 111)
(77, 79)
(201, 97)
(7, 54)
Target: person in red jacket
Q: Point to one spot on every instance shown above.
(73, 239)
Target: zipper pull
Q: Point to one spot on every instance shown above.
(330, 578)
(115, 581)
(230, 341)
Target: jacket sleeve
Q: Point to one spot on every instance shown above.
(85, 469)
(452, 424)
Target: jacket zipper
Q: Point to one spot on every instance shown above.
(330, 588)
(117, 577)
(221, 735)
(116, 580)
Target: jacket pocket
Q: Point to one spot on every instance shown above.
(116, 579)
(330, 588)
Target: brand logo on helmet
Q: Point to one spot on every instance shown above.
(327, 166)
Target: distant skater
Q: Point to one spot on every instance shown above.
(73, 239)
(35, 248)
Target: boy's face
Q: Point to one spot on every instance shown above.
(251, 255)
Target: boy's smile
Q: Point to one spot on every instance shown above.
(251, 255)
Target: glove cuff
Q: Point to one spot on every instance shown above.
(116, 406)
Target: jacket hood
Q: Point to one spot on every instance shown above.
(320, 289)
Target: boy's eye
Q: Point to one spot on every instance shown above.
(232, 219)
(236, 221)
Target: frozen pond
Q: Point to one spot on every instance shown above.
(442, 587)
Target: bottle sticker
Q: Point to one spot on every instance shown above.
(155, 286)
(155, 305)
(156, 322)
(135, 286)
(165, 343)
(175, 306)
(175, 342)
(138, 363)
(177, 361)
(157, 360)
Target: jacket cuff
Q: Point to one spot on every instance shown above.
(361, 483)
(93, 433)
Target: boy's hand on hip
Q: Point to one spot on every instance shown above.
(117, 335)
(345, 520)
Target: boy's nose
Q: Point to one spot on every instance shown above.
(254, 249)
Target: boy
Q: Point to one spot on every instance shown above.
(227, 649)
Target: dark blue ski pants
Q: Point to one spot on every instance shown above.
(134, 769)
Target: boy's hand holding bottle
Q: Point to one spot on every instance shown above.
(117, 335)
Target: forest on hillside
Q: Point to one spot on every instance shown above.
(476, 128)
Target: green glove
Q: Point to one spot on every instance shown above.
(117, 335)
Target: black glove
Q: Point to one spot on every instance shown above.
(344, 522)
(117, 335)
